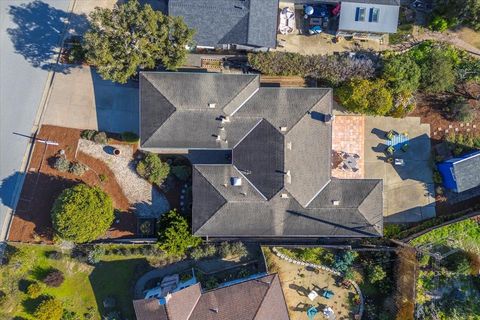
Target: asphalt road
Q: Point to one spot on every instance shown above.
(29, 33)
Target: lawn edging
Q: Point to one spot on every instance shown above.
(325, 268)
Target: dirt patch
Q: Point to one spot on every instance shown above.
(430, 109)
(43, 184)
(470, 36)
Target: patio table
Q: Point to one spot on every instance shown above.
(351, 162)
(398, 140)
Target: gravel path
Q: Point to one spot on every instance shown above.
(147, 201)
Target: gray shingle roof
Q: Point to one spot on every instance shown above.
(271, 160)
(244, 22)
(467, 172)
(260, 158)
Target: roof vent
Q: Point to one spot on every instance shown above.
(289, 145)
(336, 202)
(284, 196)
(214, 310)
(289, 177)
(283, 129)
(211, 105)
(236, 181)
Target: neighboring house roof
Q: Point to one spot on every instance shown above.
(387, 12)
(243, 22)
(280, 156)
(467, 172)
(149, 309)
(257, 299)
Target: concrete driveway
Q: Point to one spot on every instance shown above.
(81, 99)
(30, 32)
(409, 189)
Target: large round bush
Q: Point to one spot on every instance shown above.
(82, 213)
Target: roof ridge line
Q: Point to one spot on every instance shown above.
(254, 187)
(264, 296)
(139, 116)
(310, 109)
(243, 89)
(364, 199)
(213, 187)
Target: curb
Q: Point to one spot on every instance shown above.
(5, 231)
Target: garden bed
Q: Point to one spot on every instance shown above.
(43, 184)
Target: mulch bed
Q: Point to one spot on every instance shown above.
(430, 110)
(43, 184)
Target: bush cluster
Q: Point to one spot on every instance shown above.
(94, 254)
(232, 249)
(78, 168)
(153, 169)
(34, 290)
(130, 137)
(174, 236)
(204, 251)
(54, 278)
(61, 164)
(333, 70)
(366, 97)
(49, 309)
(460, 110)
(95, 136)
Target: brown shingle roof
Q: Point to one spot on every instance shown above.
(181, 304)
(149, 309)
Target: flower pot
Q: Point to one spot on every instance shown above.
(116, 152)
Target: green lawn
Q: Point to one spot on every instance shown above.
(84, 288)
(463, 235)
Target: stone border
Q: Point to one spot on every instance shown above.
(325, 268)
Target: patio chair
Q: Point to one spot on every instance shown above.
(327, 294)
(390, 134)
(390, 150)
(405, 147)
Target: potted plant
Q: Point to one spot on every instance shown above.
(116, 152)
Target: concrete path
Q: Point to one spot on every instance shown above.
(30, 32)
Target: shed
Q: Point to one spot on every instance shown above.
(462, 173)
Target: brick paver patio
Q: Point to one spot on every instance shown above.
(348, 133)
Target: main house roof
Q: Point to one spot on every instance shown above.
(276, 180)
(257, 299)
(243, 22)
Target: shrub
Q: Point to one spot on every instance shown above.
(78, 169)
(204, 251)
(211, 283)
(71, 315)
(174, 234)
(439, 24)
(88, 134)
(153, 169)
(112, 315)
(49, 309)
(182, 172)
(366, 97)
(103, 177)
(330, 69)
(100, 138)
(94, 255)
(146, 228)
(54, 278)
(34, 290)
(235, 249)
(130, 137)
(61, 164)
(460, 110)
(344, 260)
(438, 74)
(82, 213)
(3, 298)
(376, 274)
(391, 230)
(401, 73)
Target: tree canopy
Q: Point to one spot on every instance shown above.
(82, 213)
(129, 37)
(401, 73)
(365, 96)
(438, 73)
(49, 309)
(153, 169)
(174, 234)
